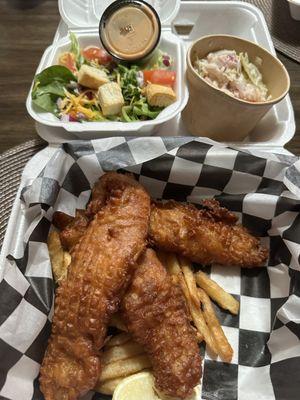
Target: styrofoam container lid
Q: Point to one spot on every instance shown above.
(87, 13)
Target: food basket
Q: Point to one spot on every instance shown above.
(263, 190)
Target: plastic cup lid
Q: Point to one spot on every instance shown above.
(87, 13)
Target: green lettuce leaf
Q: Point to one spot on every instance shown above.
(46, 102)
(57, 73)
(75, 49)
(49, 86)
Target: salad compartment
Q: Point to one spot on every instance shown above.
(169, 44)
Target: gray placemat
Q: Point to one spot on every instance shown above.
(285, 31)
(12, 163)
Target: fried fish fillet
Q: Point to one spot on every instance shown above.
(72, 228)
(155, 313)
(102, 265)
(209, 235)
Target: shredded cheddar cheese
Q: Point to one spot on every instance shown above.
(73, 103)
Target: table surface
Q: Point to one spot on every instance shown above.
(26, 29)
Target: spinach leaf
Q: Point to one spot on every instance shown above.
(49, 86)
(57, 73)
(56, 88)
(46, 102)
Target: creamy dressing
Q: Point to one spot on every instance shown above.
(131, 32)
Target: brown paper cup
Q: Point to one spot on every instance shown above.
(217, 115)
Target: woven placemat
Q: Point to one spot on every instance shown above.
(285, 31)
(12, 163)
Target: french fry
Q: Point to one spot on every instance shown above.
(117, 322)
(122, 368)
(67, 260)
(190, 280)
(172, 264)
(174, 269)
(56, 254)
(198, 334)
(118, 340)
(198, 318)
(169, 261)
(108, 387)
(189, 288)
(224, 349)
(224, 299)
(116, 353)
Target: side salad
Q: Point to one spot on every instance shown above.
(89, 85)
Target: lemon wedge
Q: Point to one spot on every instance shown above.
(141, 386)
(136, 387)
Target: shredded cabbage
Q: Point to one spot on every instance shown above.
(234, 74)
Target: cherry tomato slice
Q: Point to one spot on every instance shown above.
(160, 77)
(95, 53)
(68, 60)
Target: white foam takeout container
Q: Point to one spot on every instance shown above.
(196, 19)
(295, 9)
(82, 17)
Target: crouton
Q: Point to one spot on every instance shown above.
(159, 95)
(110, 98)
(91, 77)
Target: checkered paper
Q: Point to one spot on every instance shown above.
(263, 190)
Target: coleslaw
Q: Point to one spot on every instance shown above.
(234, 74)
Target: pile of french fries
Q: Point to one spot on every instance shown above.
(123, 357)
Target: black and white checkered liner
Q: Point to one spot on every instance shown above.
(262, 190)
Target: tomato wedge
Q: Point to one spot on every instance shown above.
(160, 77)
(68, 60)
(96, 53)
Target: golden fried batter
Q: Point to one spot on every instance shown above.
(71, 234)
(204, 236)
(102, 264)
(155, 313)
(72, 228)
(61, 220)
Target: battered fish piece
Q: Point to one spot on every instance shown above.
(102, 264)
(155, 313)
(204, 236)
(72, 228)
